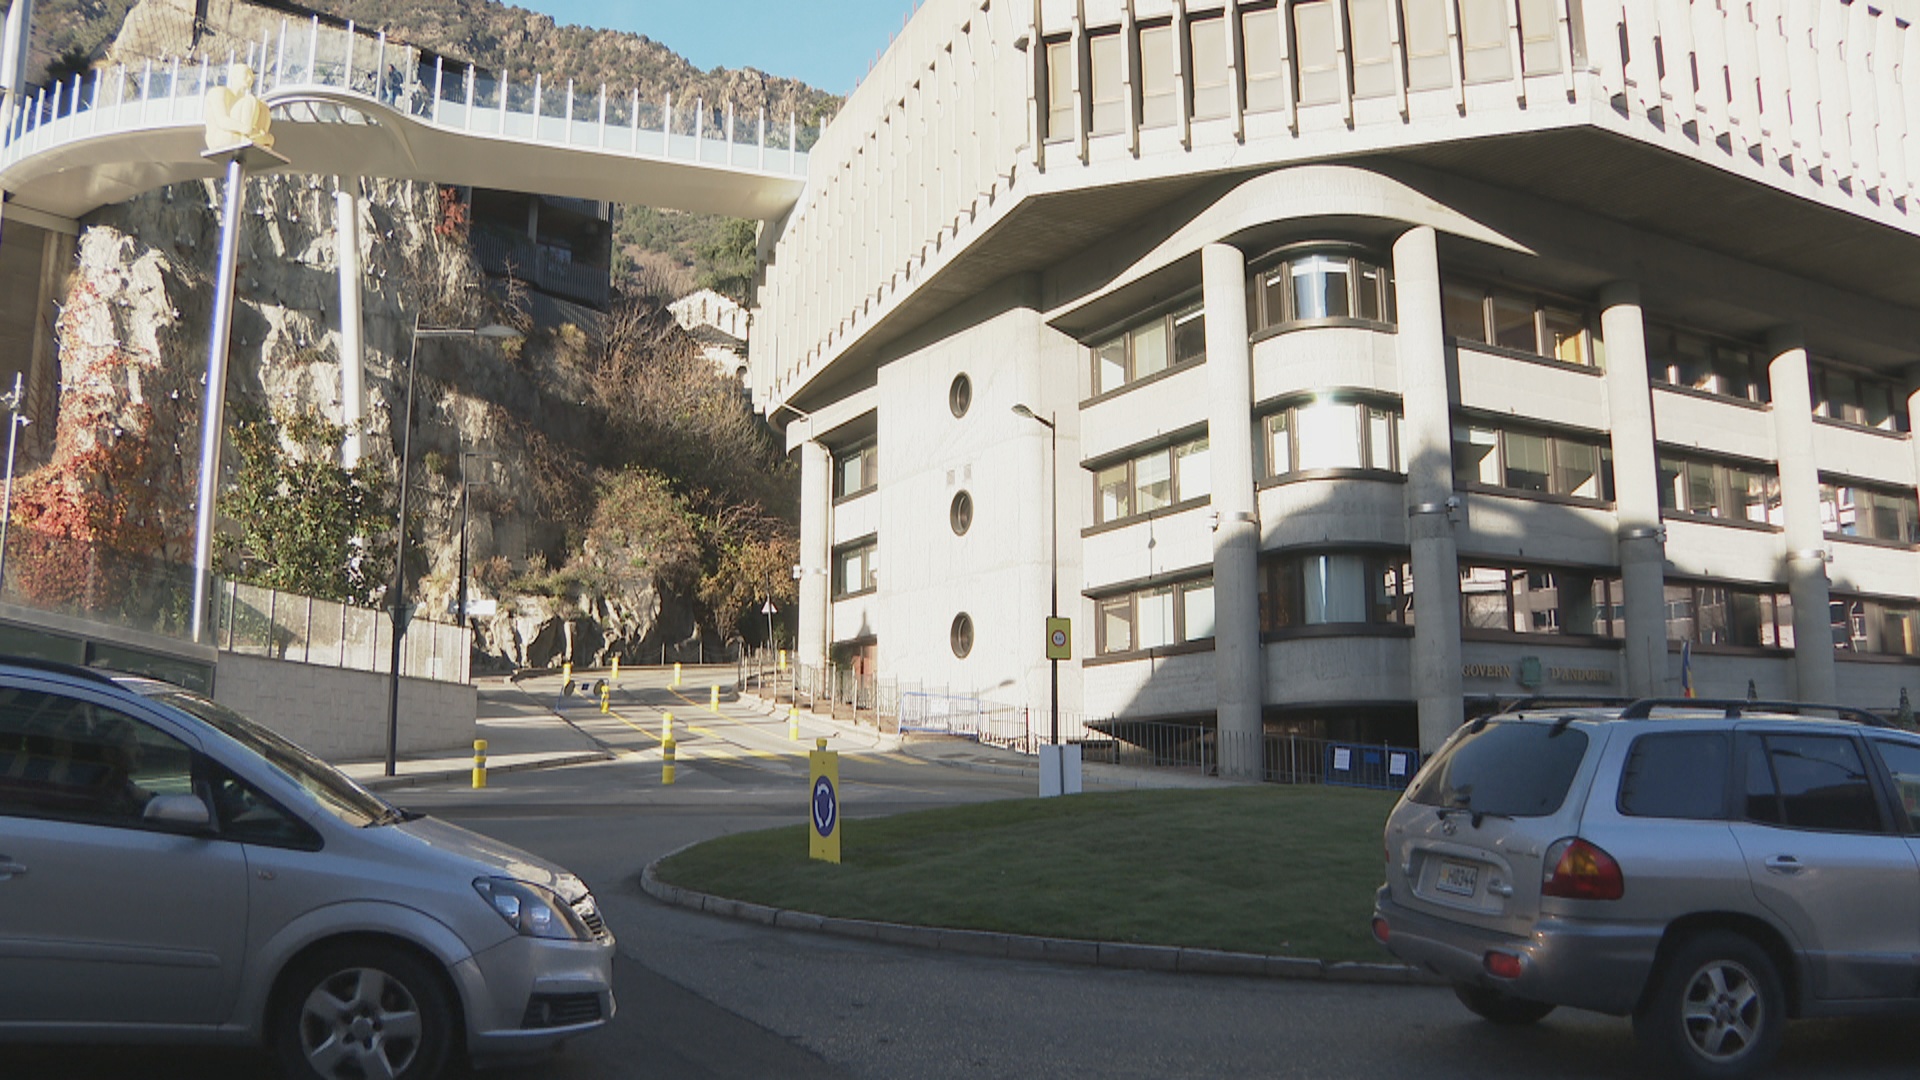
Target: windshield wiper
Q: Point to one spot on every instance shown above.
(1474, 817)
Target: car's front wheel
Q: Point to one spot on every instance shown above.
(1500, 1008)
(1717, 1009)
(359, 1011)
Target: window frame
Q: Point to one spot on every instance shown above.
(1767, 597)
(867, 548)
(1542, 306)
(1263, 321)
(1726, 492)
(1867, 612)
(1363, 405)
(1178, 500)
(1128, 599)
(1170, 322)
(1669, 359)
(1908, 499)
(1282, 577)
(1613, 600)
(1554, 437)
(867, 452)
(1823, 372)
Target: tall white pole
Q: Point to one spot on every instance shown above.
(213, 409)
(14, 423)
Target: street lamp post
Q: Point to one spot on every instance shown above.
(399, 588)
(15, 422)
(466, 502)
(1053, 540)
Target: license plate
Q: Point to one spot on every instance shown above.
(1457, 877)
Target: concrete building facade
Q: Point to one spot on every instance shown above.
(1396, 355)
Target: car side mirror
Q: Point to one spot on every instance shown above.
(185, 811)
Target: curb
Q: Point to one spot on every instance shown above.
(1174, 959)
(388, 783)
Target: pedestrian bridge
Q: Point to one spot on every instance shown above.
(352, 105)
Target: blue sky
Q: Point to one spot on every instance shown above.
(828, 44)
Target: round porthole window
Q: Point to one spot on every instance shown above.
(961, 513)
(962, 635)
(960, 395)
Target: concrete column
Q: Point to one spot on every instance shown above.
(1636, 484)
(353, 383)
(1237, 656)
(816, 523)
(1432, 506)
(1805, 541)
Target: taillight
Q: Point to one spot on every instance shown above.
(1381, 931)
(1577, 870)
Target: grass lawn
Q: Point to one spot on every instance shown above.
(1288, 871)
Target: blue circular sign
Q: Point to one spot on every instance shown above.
(826, 807)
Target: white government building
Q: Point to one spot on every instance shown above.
(1402, 353)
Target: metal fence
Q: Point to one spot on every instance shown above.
(1162, 744)
(105, 585)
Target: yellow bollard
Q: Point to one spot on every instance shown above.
(616, 671)
(783, 660)
(676, 675)
(666, 762)
(666, 727)
(713, 699)
(793, 722)
(566, 671)
(606, 697)
(479, 764)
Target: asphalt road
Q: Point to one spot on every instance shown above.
(702, 997)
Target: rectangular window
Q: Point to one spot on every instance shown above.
(1152, 482)
(1857, 398)
(1370, 36)
(1113, 492)
(1150, 348)
(856, 471)
(1334, 588)
(1429, 67)
(1108, 64)
(1154, 617)
(1193, 473)
(1320, 285)
(1262, 42)
(854, 568)
(1541, 601)
(1316, 52)
(1708, 488)
(1539, 36)
(1327, 434)
(1875, 627)
(1571, 465)
(1279, 444)
(1679, 774)
(1483, 41)
(1158, 105)
(1513, 323)
(1061, 123)
(1716, 614)
(1874, 512)
(1464, 313)
(1212, 92)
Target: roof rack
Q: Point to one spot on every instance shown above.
(1565, 701)
(1734, 708)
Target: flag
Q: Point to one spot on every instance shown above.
(1686, 669)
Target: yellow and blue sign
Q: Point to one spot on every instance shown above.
(823, 804)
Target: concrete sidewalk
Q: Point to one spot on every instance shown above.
(521, 733)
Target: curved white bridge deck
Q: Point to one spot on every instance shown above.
(83, 145)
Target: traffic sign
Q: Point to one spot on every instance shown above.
(1059, 638)
(823, 804)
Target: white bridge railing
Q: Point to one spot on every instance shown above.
(307, 56)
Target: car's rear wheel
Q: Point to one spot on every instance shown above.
(1498, 1007)
(1717, 1009)
(359, 1011)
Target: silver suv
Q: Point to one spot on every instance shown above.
(1709, 868)
(170, 871)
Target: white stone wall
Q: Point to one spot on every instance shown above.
(341, 715)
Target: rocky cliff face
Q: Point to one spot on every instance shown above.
(134, 328)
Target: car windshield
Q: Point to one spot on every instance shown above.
(1507, 769)
(332, 789)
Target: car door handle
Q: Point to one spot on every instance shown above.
(1784, 864)
(9, 868)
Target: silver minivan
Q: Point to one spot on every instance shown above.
(1711, 869)
(173, 872)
